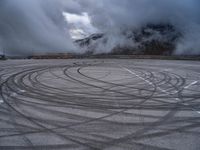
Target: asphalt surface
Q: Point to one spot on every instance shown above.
(99, 105)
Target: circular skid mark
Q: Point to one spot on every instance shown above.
(97, 105)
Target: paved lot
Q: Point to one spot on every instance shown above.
(99, 104)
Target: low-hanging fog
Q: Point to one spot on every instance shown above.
(34, 26)
(39, 26)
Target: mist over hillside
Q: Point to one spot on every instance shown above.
(151, 39)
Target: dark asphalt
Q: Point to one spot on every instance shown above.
(99, 105)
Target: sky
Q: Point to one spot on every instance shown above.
(41, 26)
(80, 25)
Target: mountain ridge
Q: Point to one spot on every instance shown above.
(152, 39)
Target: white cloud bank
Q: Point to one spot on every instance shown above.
(80, 25)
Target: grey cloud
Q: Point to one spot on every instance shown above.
(28, 26)
(112, 15)
(33, 26)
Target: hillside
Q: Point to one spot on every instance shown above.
(151, 39)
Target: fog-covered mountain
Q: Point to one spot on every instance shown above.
(151, 39)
